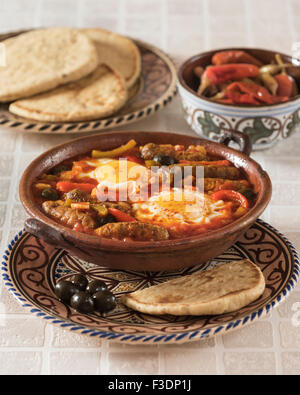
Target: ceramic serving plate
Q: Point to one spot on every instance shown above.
(154, 90)
(31, 268)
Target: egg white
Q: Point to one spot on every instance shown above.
(117, 175)
(177, 206)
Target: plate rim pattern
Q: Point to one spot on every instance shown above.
(186, 336)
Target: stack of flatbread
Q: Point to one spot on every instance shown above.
(67, 75)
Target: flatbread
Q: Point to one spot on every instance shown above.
(220, 290)
(98, 95)
(43, 59)
(117, 51)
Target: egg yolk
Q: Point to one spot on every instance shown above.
(179, 206)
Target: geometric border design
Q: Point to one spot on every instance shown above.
(186, 336)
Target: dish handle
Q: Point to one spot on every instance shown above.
(48, 234)
(239, 138)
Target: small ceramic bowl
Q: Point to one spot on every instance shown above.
(265, 125)
(165, 255)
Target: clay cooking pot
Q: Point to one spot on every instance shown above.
(166, 255)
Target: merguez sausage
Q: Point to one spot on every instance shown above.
(135, 230)
(228, 172)
(149, 151)
(68, 215)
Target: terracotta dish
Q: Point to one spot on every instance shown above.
(164, 255)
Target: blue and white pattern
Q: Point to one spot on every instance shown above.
(265, 125)
(125, 331)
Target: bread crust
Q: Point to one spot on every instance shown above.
(118, 52)
(223, 289)
(40, 60)
(96, 96)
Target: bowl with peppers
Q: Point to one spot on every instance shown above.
(248, 90)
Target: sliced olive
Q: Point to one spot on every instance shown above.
(64, 290)
(165, 160)
(59, 169)
(50, 194)
(82, 302)
(95, 286)
(104, 301)
(80, 281)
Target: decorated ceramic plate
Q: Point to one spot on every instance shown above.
(31, 268)
(153, 91)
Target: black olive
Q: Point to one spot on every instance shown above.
(105, 220)
(165, 160)
(80, 281)
(64, 290)
(104, 301)
(95, 286)
(110, 219)
(60, 168)
(50, 194)
(82, 302)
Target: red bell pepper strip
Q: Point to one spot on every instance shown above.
(251, 93)
(285, 85)
(226, 72)
(231, 195)
(242, 98)
(235, 56)
(66, 186)
(248, 99)
(121, 216)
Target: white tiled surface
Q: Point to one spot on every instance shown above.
(29, 345)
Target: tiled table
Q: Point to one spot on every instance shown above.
(29, 345)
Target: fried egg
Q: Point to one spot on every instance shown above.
(178, 206)
(116, 175)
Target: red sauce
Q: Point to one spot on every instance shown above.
(176, 230)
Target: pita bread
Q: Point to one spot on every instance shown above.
(98, 95)
(223, 289)
(40, 60)
(118, 52)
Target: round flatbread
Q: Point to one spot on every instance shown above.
(117, 51)
(98, 95)
(220, 290)
(43, 59)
